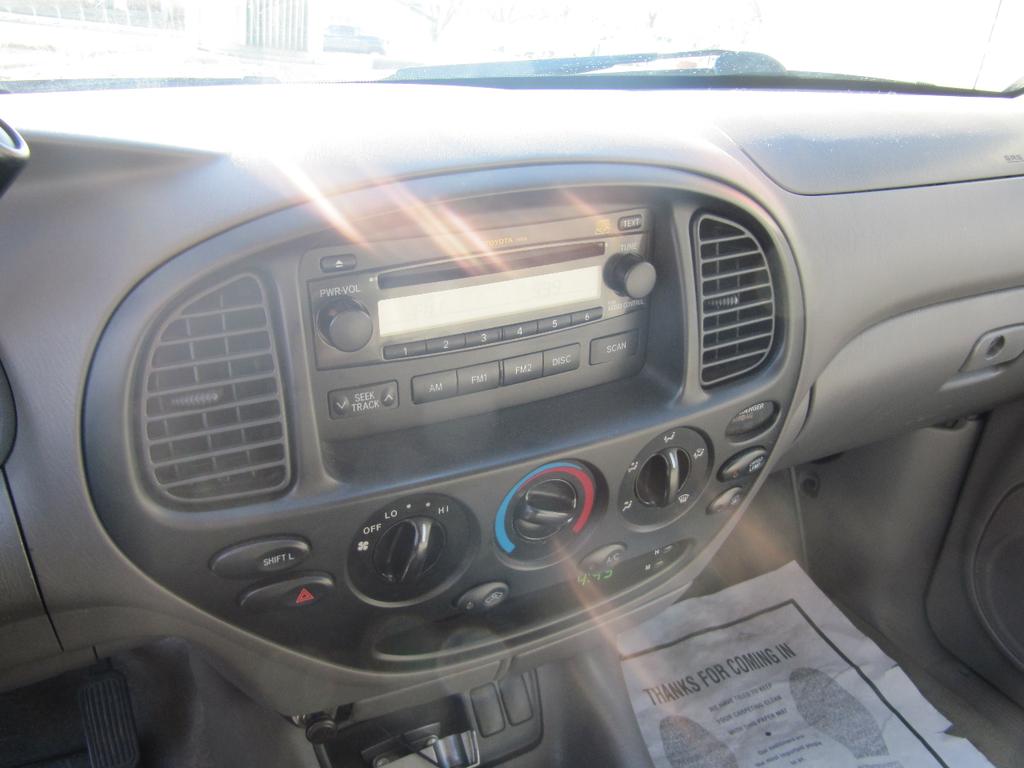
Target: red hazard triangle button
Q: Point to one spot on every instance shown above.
(304, 596)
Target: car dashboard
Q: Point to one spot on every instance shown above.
(371, 409)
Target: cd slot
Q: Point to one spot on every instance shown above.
(475, 266)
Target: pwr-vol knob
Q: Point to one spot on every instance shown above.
(345, 324)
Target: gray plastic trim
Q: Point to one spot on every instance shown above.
(8, 422)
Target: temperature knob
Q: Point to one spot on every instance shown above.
(345, 324)
(546, 509)
(629, 275)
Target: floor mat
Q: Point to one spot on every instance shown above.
(770, 673)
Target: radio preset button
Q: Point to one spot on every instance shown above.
(434, 386)
(522, 368)
(608, 348)
(554, 323)
(357, 401)
(446, 343)
(578, 318)
(518, 331)
(488, 336)
(398, 351)
(477, 378)
(562, 359)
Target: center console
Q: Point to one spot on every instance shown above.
(448, 420)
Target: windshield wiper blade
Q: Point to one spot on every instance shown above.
(726, 62)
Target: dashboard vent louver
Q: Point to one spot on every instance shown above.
(213, 421)
(736, 300)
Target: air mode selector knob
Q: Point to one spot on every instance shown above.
(661, 476)
(629, 275)
(345, 324)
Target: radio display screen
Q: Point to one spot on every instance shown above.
(474, 305)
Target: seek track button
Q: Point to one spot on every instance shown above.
(357, 401)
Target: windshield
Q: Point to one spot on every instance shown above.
(961, 44)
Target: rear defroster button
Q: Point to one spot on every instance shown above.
(483, 597)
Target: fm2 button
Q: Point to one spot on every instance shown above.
(261, 557)
(483, 597)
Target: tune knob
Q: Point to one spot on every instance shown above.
(408, 549)
(546, 509)
(345, 324)
(629, 275)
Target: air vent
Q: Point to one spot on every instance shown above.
(213, 423)
(737, 302)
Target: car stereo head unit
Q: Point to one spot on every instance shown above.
(413, 331)
(433, 295)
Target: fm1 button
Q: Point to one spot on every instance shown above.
(603, 559)
(745, 464)
(298, 591)
(260, 557)
(483, 597)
